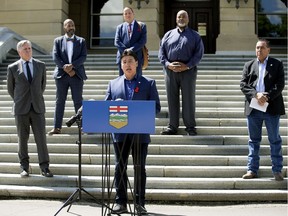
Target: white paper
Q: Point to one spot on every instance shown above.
(254, 104)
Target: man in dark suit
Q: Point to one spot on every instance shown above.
(131, 86)
(263, 81)
(26, 82)
(69, 54)
(130, 35)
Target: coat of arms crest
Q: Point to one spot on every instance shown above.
(118, 116)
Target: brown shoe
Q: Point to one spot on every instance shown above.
(278, 176)
(249, 175)
(54, 131)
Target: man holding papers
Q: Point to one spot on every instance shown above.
(262, 84)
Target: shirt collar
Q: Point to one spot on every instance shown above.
(23, 61)
(73, 37)
(132, 23)
(265, 61)
(178, 29)
(134, 78)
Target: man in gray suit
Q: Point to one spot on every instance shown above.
(26, 82)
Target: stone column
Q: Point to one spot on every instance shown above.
(38, 22)
(237, 28)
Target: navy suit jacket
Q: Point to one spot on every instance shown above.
(60, 57)
(147, 91)
(22, 92)
(135, 43)
(274, 81)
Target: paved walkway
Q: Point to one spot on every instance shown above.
(49, 208)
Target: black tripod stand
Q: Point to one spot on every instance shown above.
(134, 143)
(76, 196)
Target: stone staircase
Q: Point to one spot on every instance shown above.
(207, 167)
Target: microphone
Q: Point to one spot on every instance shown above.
(77, 116)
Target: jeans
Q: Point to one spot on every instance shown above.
(122, 151)
(255, 121)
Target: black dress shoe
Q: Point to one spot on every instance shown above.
(119, 209)
(46, 172)
(192, 132)
(168, 131)
(24, 173)
(141, 209)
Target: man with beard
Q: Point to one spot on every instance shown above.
(69, 54)
(181, 50)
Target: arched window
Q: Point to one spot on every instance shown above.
(104, 21)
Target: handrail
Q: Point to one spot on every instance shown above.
(9, 40)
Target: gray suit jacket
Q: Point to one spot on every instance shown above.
(22, 92)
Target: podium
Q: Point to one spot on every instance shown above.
(118, 117)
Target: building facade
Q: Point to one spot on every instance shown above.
(226, 26)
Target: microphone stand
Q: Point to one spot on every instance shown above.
(76, 196)
(135, 142)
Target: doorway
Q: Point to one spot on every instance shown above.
(203, 17)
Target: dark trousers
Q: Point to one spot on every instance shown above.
(186, 82)
(122, 151)
(37, 122)
(62, 86)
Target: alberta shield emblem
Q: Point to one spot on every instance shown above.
(118, 116)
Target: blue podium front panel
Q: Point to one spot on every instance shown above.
(119, 117)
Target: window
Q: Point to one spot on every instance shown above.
(271, 18)
(104, 22)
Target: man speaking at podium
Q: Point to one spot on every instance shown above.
(131, 86)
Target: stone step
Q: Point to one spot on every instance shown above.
(221, 122)
(152, 159)
(152, 170)
(191, 195)
(96, 139)
(90, 88)
(189, 149)
(219, 113)
(201, 130)
(207, 167)
(152, 182)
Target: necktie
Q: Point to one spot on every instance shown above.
(130, 30)
(29, 75)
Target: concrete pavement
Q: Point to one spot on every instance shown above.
(28, 207)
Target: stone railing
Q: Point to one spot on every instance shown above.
(9, 40)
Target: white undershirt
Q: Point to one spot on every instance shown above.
(69, 46)
(260, 87)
